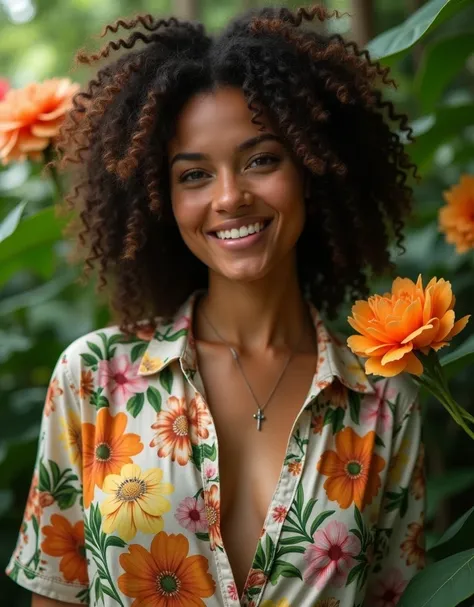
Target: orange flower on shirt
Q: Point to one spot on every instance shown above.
(67, 541)
(413, 547)
(53, 392)
(106, 448)
(213, 515)
(87, 384)
(165, 576)
(353, 469)
(71, 436)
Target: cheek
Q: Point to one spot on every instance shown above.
(188, 212)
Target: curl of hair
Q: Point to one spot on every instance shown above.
(321, 93)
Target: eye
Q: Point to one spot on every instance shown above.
(263, 160)
(193, 175)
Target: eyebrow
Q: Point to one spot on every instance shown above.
(246, 145)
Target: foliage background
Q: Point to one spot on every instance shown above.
(42, 308)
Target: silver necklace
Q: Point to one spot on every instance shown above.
(259, 416)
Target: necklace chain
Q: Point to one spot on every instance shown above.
(259, 416)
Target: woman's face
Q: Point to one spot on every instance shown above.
(237, 194)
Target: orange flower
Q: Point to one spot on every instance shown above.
(166, 576)
(67, 541)
(353, 469)
(53, 392)
(456, 219)
(87, 384)
(33, 506)
(213, 515)
(71, 436)
(295, 468)
(414, 546)
(317, 424)
(418, 480)
(396, 324)
(32, 116)
(106, 449)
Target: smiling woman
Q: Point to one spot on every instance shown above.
(231, 450)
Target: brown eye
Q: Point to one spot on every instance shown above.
(194, 175)
(264, 160)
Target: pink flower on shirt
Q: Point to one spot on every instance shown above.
(210, 471)
(232, 591)
(121, 378)
(388, 589)
(331, 556)
(191, 514)
(375, 409)
(279, 514)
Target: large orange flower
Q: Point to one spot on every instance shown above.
(353, 469)
(166, 576)
(456, 219)
(106, 448)
(67, 541)
(396, 324)
(32, 116)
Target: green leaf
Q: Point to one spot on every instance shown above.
(138, 351)
(11, 221)
(354, 406)
(307, 511)
(442, 60)
(319, 520)
(446, 486)
(355, 572)
(335, 417)
(280, 568)
(95, 348)
(209, 451)
(197, 456)
(66, 498)
(202, 536)
(89, 360)
(447, 123)
(175, 336)
(154, 398)
(42, 228)
(457, 538)
(166, 379)
(459, 358)
(114, 540)
(259, 561)
(393, 44)
(29, 574)
(55, 471)
(443, 584)
(44, 480)
(289, 541)
(135, 404)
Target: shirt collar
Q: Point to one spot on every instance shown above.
(174, 340)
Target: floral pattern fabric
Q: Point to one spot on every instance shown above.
(124, 506)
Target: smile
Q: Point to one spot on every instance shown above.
(242, 232)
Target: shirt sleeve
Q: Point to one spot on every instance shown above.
(399, 547)
(49, 558)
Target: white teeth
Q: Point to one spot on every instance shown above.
(244, 231)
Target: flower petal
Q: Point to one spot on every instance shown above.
(374, 366)
(396, 353)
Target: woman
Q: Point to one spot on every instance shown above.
(231, 450)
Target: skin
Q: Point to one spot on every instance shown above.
(254, 300)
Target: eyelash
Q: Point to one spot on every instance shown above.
(184, 178)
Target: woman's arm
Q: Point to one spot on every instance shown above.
(42, 601)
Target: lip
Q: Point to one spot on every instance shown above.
(238, 244)
(236, 224)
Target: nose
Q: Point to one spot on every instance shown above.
(229, 195)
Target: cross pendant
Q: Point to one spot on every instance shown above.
(260, 417)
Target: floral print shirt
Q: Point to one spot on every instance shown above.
(124, 506)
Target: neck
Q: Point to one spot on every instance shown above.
(255, 316)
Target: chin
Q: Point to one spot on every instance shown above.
(249, 273)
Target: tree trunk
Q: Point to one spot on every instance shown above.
(362, 29)
(186, 9)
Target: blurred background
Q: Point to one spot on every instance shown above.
(42, 308)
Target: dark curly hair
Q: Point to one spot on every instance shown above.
(319, 91)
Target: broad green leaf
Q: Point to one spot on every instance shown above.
(459, 358)
(457, 538)
(38, 295)
(42, 228)
(40, 261)
(11, 221)
(448, 122)
(442, 60)
(393, 44)
(135, 404)
(443, 584)
(154, 398)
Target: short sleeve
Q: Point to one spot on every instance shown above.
(49, 558)
(399, 551)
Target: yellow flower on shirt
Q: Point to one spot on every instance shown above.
(136, 501)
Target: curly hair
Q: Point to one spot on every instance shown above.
(321, 92)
